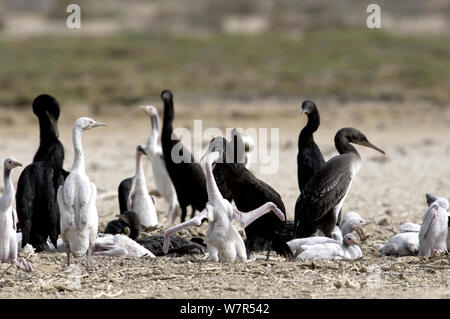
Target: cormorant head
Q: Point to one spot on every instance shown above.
(149, 110)
(166, 95)
(45, 104)
(140, 149)
(355, 136)
(430, 198)
(357, 225)
(86, 123)
(217, 144)
(350, 239)
(11, 163)
(132, 219)
(308, 107)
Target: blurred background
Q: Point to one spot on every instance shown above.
(128, 51)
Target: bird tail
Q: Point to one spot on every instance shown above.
(280, 246)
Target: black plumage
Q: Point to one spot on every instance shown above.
(178, 246)
(249, 193)
(124, 194)
(234, 154)
(128, 223)
(186, 174)
(37, 208)
(309, 157)
(318, 205)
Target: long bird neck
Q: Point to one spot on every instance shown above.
(152, 140)
(312, 125)
(139, 168)
(168, 116)
(47, 130)
(238, 149)
(8, 195)
(343, 146)
(78, 161)
(211, 186)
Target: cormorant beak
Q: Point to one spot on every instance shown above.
(304, 111)
(142, 150)
(166, 95)
(430, 199)
(17, 164)
(54, 122)
(149, 110)
(368, 144)
(144, 109)
(369, 221)
(96, 124)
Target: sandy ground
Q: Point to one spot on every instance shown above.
(390, 188)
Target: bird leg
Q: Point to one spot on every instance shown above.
(88, 258)
(68, 254)
(194, 221)
(247, 218)
(269, 247)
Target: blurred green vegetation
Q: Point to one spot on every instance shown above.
(127, 68)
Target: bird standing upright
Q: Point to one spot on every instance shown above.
(309, 157)
(140, 201)
(162, 179)
(37, 207)
(186, 174)
(321, 200)
(8, 220)
(77, 200)
(434, 229)
(249, 193)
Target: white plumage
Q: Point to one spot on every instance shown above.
(77, 200)
(434, 229)
(120, 245)
(404, 243)
(224, 243)
(162, 179)
(140, 200)
(351, 222)
(349, 249)
(106, 244)
(8, 220)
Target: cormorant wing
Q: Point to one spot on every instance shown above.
(324, 191)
